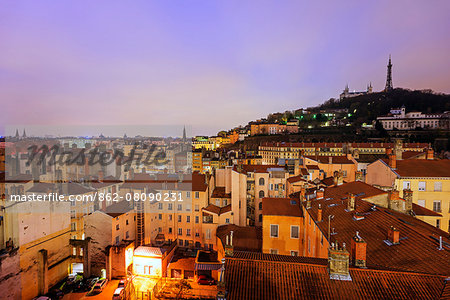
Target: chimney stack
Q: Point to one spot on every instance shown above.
(430, 154)
(351, 203)
(320, 194)
(228, 249)
(394, 235)
(340, 178)
(358, 251)
(408, 196)
(392, 161)
(330, 160)
(359, 176)
(338, 262)
(319, 213)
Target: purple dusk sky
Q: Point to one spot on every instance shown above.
(209, 64)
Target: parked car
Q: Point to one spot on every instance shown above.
(118, 294)
(122, 283)
(205, 280)
(98, 287)
(55, 294)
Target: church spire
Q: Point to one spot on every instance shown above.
(184, 134)
(389, 87)
(17, 133)
(24, 135)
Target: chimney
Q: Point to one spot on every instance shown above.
(394, 235)
(408, 196)
(320, 194)
(338, 262)
(351, 203)
(302, 193)
(319, 213)
(398, 148)
(359, 176)
(228, 249)
(340, 178)
(330, 159)
(392, 161)
(430, 154)
(100, 176)
(393, 195)
(358, 251)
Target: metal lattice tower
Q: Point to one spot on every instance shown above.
(389, 86)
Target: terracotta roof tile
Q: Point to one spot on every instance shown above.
(269, 279)
(245, 238)
(281, 207)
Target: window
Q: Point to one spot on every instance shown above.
(422, 185)
(227, 221)
(406, 185)
(196, 219)
(160, 216)
(179, 218)
(188, 219)
(294, 253)
(438, 186)
(180, 207)
(261, 181)
(159, 229)
(170, 229)
(294, 232)
(260, 218)
(117, 240)
(197, 195)
(126, 222)
(438, 223)
(188, 207)
(261, 194)
(127, 235)
(437, 205)
(196, 207)
(188, 194)
(170, 206)
(188, 232)
(421, 203)
(260, 205)
(217, 202)
(170, 217)
(117, 227)
(208, 234)
(180, 231)
(180, 242)
(273, 251)
(273, 230)
(160, 206)
(72, 214)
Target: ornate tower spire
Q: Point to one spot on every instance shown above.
(389, 87)
(24, 135)
(184, 134)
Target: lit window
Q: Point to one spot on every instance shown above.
(294, 253)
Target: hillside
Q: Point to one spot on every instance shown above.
(367, 107)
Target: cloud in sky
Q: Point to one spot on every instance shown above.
(213, 65)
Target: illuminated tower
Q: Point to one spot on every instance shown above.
(389, 86)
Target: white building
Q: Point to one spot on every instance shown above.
(399, 119)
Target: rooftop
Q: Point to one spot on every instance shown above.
(281, 207)
(283, 277)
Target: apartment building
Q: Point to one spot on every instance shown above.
(428, 179)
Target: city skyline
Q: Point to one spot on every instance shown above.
(212, 65)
